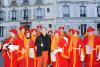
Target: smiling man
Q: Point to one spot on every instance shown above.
(43, 42)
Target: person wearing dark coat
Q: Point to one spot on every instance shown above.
(43, 44)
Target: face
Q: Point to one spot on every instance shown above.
(56, 34)
(50, 33)
(70, 33)
(12, 34)
(44, 31)
(90, 33)
(23, 30)
(34, 33)
(28, 35)
(61, 30)
(75, 34)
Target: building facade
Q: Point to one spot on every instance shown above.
(78, 14)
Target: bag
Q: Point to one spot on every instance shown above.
(53, 57)
(88, 49)
(31, 53)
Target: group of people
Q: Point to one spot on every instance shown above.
(39, 47)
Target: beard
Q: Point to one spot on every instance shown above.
(28, 37)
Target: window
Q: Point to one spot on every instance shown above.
(83, 29)
(48, 10)
(25, 1)
(13, 17)
(82, 11)
(98, 11)
(1, 15)
(1, 2)
(1, 31)
(25, 14)
(66, 11)
(39, 1)
(39, 13)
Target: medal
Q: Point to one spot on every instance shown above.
(41, 45)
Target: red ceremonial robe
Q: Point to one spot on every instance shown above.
(75, 53)
(62, 58)
(31, 44)
(90, 60)
(10, 58)
(98, 38)
(31, 60)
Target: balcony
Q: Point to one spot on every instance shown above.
(13, 18)
(66, 15)
(82, 15)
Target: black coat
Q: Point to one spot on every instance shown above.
(46, 41)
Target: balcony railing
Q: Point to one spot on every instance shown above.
(39, 17)
(66, 15)
(13, 18)
(82, 15)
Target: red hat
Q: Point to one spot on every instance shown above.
(90, 29)
(71, 30)
(39, 26)
(21, 27)
(27, 31)
(62, 27)
(13, 31)
(57, 31)
(75, 31)
(34, 29)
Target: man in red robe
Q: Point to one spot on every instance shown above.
(76, 50)
(21, 32)
(54, 45)
(10, 47)
(62, 55)
(29, 45)
(92, 46)
(33, 37)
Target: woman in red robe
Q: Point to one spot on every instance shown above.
(76, 50)
(10, 55)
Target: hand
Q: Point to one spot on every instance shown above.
(60, 50)
(98, 57)
(82, 56)
(4, 46)
(55, 51)
(23, 51)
